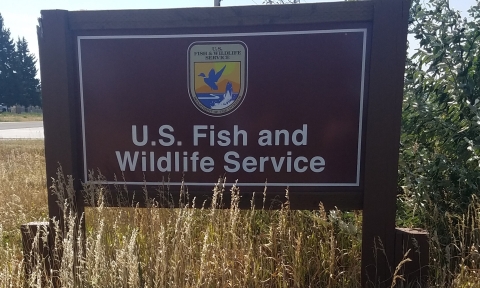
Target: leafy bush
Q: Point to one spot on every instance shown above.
(440, 143)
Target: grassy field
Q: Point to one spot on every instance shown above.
(200, 246)
(23, 117)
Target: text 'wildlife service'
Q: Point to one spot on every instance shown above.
(205, 135)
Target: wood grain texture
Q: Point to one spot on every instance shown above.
(383, 138)
(59, 102)
(222, 16)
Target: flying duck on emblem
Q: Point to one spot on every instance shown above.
(212, 78)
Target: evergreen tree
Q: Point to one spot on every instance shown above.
(27, 85)
(7, 73)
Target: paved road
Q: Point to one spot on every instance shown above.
(21, 130)
(20, 125)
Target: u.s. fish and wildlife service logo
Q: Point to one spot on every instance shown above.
(217, 73)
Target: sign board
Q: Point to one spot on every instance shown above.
(303, 96)
(282, 108)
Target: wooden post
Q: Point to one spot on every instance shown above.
(36, 250)
(414, 272)
(383, 138)
(56, 45)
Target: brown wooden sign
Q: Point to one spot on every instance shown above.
(302, 96)
(282, 108)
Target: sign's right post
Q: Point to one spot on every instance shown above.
(387, 69)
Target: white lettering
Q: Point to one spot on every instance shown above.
(224, 139)
(237, 133)
(144, 137)
(206, 164)
(249, 164)
(302, 133)
(144, 161)
(262, 163)
(168, 163)
(288, 163)
(277, 166)
(315, 162)
(194, 159)
(166, 135)
(296, 162)
(197, 134)
(285, 137)
(265, 138)
(230, 161)
(127, 158)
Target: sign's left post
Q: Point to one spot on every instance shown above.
(60, 106)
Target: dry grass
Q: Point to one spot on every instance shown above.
(23, 117)
(23, 193)
(23, 198)
(212, 247)
(196, 246)
(458, 263)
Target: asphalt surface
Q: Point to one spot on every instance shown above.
(20, 125)
(21, 130)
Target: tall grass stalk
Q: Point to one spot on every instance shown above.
(199, 245)
(191, 246)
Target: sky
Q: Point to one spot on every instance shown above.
(20, 16)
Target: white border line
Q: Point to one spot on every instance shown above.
(360, 117)
(226, 34)
(228, 183)
(308, 32)
(80, 75)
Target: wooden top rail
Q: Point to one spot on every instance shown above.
(221, 16)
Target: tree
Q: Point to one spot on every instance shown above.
(18, 82)
(27, 85)
(440, 143)
(7, 75)
(441, 116)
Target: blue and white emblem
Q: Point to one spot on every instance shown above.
(217, 73)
